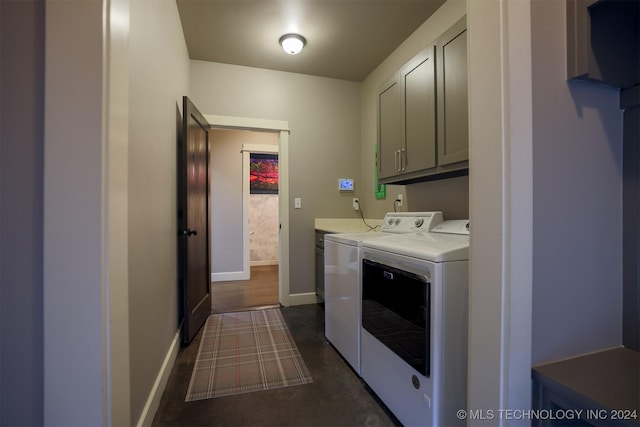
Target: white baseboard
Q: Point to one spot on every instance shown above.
(153, 401)
(302, 299)
(267, 262)
(230, 276)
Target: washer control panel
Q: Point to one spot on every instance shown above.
(454, 226)
(410, 222)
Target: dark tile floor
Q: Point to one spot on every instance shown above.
(337, 397)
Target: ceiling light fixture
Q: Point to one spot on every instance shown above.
(292, 43)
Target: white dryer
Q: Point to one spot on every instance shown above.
(414, 323)
(342, 270)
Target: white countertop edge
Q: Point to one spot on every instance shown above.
(345, 225)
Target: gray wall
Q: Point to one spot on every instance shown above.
(159, 75)
(451, 196)
(577, 202)
(324, 118)
(74, 212)
(158, 78)
(21, 193)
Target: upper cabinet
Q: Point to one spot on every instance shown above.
(419, 79)
(423, 114)
(453, 117)
(407, 118)
(603, 41)
(390, 123)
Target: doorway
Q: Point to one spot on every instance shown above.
(245, 244)
(281, 131)
(260, 181)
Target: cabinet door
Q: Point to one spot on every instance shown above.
(603, 42)
(420, 113)
(453, 111)
(390, 139)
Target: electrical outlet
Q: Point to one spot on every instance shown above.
(356, 204)
(400, 199)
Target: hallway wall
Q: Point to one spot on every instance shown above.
(159, 76)
(21, 195)
(577, 201)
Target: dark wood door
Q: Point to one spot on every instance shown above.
(193, 220)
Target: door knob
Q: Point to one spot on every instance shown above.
(188, 232)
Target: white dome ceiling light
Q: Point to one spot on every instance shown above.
(292, 43)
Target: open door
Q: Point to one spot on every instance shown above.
(193, 220)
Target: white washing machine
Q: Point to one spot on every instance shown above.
(414, 323)
(342, 268)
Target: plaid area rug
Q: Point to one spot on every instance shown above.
(245, 351)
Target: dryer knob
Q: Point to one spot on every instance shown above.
(419, 222)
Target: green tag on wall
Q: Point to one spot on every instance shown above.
(379, 189)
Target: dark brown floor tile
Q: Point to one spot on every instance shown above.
(337, 397)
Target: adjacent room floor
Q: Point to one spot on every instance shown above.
(261, 290)
(337, 396)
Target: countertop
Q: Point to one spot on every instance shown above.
(609, 379)
(346, 225)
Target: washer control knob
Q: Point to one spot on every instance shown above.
(390, 221)
(397, 221)
(419, 222)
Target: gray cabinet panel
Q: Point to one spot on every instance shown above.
(600, 389)
(423, 130)
(390, 138)
(630, 102)
(420, 113)
(578, 36)
(320, 265)
(453, 111)
(603, 41)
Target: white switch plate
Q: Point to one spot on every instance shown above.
(297, 203)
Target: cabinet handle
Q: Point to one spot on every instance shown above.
(403, 157)
(398, 161)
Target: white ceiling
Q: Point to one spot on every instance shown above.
(346, 39)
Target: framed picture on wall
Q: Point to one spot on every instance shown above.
(263, 173)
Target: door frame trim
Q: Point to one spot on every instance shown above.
(281, 126)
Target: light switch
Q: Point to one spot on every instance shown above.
(297, 203)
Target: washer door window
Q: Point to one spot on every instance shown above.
(396, 310)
